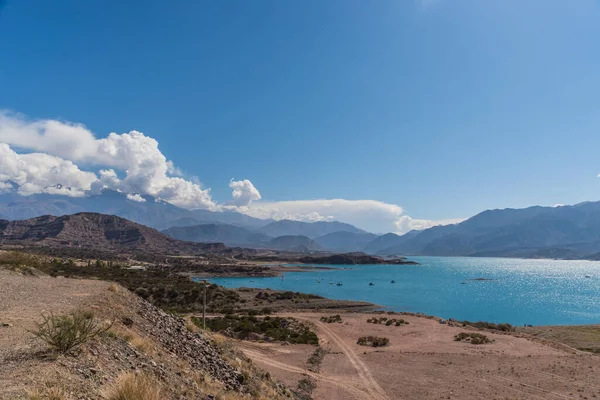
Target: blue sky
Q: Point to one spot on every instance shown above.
(443, 108)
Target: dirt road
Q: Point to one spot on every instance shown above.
(424, 362)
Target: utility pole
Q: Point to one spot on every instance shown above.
(204, 307)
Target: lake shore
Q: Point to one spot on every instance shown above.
(252, 270)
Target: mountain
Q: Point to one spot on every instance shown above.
(556, 232)
(311, 230)
(230, 235)
(151, 212)
(345, 242)
(95, 231)
(296, 243)
(382, 242)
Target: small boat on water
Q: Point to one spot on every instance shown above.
(393, 281)
(331, 283)
(339, 283)
(587, 276)
(463, 283)
(371, 284)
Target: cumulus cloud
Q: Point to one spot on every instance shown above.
(405, 223)
(145, 169)
(42, 173)
(370, 215)
(243, 192)
(45, 156)
(136, 197)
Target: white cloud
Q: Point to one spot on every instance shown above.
(405, 223)
(136, 197)
(243, 192)
(146, 169)
(133, 164)
(42, 173)
(370, 215)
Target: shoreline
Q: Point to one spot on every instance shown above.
(269, 271)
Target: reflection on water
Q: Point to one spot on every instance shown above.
(538, 292)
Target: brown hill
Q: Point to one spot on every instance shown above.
(96, 231)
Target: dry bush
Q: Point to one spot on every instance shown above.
(131, 386)
(66, 332)
(114, 288)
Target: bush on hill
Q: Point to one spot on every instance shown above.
(489, 325)
(276, 328)
(373, 341)
(473, 338)
(331, 319)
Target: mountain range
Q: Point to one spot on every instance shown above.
(535, 232)
(96, 232)
(150, 212)
(569, 232)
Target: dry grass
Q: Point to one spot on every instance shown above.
(143, 344)
(190, 326)
(114, 288)
(47, 393)
(130, 386)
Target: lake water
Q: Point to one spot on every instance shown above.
(537, 292)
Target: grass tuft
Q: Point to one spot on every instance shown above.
(131, 386)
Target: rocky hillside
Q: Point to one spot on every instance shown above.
(95, 231)
(144, 344)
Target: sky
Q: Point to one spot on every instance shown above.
(391, 115)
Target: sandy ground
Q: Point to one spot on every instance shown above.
(22, 301)
(424, 362)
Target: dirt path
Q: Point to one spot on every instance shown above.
(373, 388)
(423, 361)
(343, 384)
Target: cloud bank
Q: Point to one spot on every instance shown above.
(51, 156)
(370, 215)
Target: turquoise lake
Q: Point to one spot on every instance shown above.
(537, 292)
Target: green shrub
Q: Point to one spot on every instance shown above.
(489, 325)
(472, 337)
(315, 359)
(373, 341)
(276, 328)
(331, 319)
(66, 332)
(387, 322)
